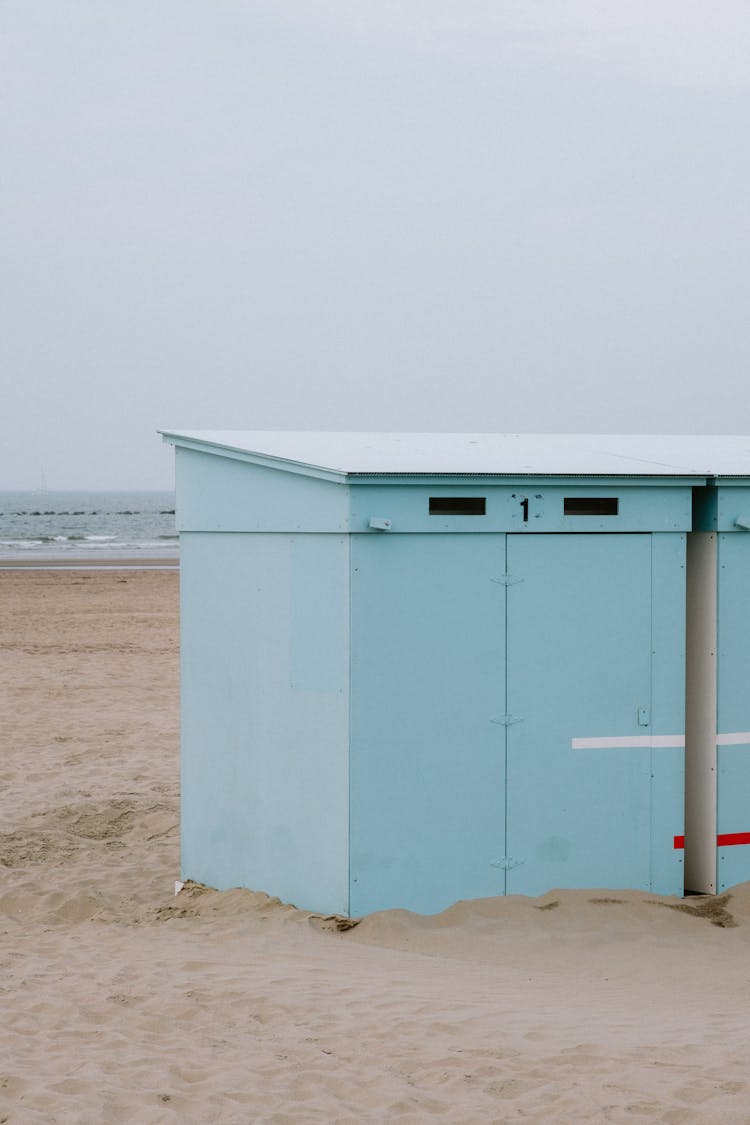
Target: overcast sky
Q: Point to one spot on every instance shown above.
(402, 215)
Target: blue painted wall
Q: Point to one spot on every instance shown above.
(733, 700)
(645, 507)
(581, 666)
(217, 493)
(428, 746)
(265, 725)
(476, 661)
(668, 653)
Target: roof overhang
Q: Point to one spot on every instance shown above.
(361, 457)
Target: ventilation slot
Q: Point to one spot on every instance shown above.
(591, 505)
(458, 505)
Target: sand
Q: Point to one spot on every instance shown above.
(123, 1003)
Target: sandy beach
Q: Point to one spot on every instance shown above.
(124, 1003)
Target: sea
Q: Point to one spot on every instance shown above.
(55, 526)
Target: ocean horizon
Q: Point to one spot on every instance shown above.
(56, 525)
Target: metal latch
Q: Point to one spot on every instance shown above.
(644, 717)
(743, 522)
(507, 720)
(378, 523)
(507, 863)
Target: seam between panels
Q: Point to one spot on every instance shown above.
(506, 728)
(652, 778)
(350, 658)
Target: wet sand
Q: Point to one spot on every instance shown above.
(99, 562)
(124, 1003)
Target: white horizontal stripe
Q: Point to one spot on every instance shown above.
(629, 742)
(653, 741)
(739, 738)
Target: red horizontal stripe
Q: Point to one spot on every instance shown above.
(730, 838)
(726, 840)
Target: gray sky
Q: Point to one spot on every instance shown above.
(410, 214)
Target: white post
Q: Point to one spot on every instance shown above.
(700, 713)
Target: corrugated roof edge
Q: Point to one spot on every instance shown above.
(692, 478)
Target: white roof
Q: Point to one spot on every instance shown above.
(360, 453)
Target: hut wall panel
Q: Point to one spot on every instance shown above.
(428, 744)
(732, 503)
(733, 765)
(225, 494)
(265, 669)
(668, 645)
(579, 666)
(644, 508)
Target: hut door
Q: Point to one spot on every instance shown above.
(428, 743)
(578, 697)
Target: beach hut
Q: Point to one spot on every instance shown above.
(717, 831)
(418, 668)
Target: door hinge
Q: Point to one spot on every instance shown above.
(507, 863)
(506, 580)
(507, 720)
(644, 718)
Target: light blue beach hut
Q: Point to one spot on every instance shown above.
(418, 668)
